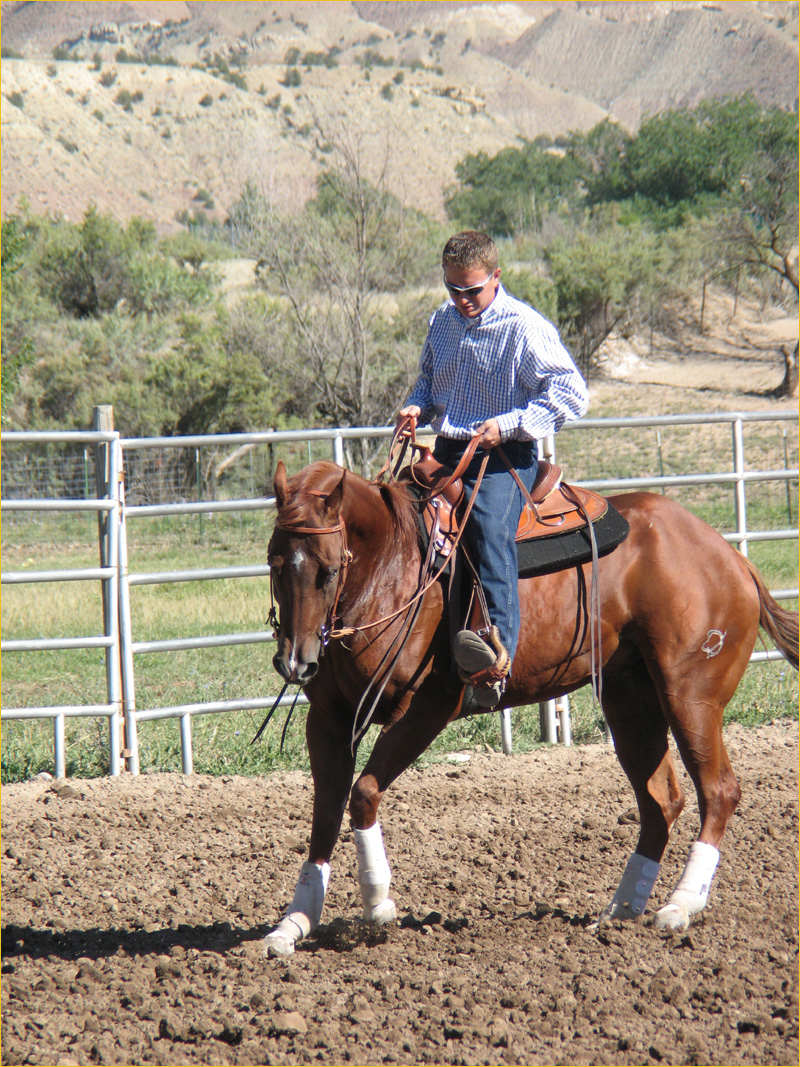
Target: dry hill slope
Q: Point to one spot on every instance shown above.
(425, 83)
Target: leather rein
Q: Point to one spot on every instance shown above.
(405, 434)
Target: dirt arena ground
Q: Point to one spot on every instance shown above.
(133, 912)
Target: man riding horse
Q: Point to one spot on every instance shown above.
(493, 366)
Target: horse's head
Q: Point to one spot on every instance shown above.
(306, 555)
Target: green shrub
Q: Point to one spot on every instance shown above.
(291, 79)
(66, 144)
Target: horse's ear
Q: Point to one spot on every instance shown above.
(280, 484)
(333, 501)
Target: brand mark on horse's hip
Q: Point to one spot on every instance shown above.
(714, 643)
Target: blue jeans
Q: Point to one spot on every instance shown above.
(492, 525)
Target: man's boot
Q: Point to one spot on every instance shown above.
(482, 664)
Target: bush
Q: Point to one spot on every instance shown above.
(206, 101)
(66, 144)
(539, 292)
(16, 99)
(291, 79)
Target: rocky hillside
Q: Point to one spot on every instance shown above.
(161, 108)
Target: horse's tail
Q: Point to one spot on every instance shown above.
(780, 624)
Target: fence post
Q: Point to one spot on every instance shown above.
(505, 731)
(131, 737)
(738, 468)
(564, 725)
(338, 450)
(187, 763)
(59, 746)
(547, 709)
(547, 722)
(108, 465)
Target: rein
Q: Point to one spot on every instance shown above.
(405, 434)
(429, 576)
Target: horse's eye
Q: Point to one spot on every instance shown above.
(331, 575)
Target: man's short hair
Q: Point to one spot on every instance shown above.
(470, 249)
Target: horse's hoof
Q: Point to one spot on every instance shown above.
(382, 913)
(623, 910)
(277, 944)
(672, 917)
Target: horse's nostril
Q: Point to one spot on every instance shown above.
(280, 666)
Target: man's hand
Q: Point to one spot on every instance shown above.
(490, 434)
(410, 412)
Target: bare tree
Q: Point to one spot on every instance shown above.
(791, 373)
(760, 229)
(340, 268)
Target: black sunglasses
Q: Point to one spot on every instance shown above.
(470, 292)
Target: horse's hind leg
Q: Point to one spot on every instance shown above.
(694, 693)
(637, 723)
(703, 752)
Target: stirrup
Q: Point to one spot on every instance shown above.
(484, 698)
(481, 664)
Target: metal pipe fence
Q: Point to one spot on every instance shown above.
(106, 503)
(117, 581)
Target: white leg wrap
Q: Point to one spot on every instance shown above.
(374, 875)
(690, 895)
(634, 888)
(304, 912)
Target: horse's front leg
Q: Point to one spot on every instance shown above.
(332, 766)
(395, 750)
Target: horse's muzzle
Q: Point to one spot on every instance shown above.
(294, 671)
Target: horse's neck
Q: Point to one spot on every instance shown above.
(381, 556)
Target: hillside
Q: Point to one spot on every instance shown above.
(417, 85)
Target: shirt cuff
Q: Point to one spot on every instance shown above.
(508, 422)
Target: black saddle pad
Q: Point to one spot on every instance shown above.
(547, 554)
(544, 555)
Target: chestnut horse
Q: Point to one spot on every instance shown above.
(679, 613)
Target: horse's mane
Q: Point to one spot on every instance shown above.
(404, 514)
(323, 476)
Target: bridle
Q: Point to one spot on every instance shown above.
(345, 559)
(327, 631)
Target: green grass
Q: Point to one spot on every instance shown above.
(221, 744)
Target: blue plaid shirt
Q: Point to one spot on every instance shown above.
(508, 363)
